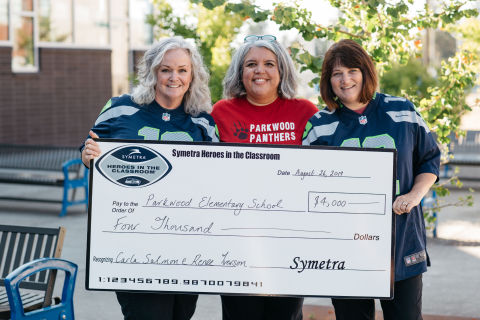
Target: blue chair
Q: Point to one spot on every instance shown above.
(429, 202)
(61, 311)
(73, 184)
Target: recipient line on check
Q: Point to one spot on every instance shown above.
(225, 260)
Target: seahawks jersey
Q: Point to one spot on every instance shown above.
(121, 118)
(387, 122)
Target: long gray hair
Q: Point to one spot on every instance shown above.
(232, 83)
(197, 98)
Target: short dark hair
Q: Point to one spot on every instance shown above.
(351, 55)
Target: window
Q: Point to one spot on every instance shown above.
(28, 24)
(24, 53)
(3, 20)
(91, 22)
(55, 21)
(141, 33)
(27, 5)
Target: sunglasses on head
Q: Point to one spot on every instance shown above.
(253, 38)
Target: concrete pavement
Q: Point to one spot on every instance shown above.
(451, 285)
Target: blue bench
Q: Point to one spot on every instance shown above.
(45, 166)
(465, 151)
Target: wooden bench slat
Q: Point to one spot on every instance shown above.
(8, 177)
(47, 252)
(30, 298)
(28, 251)
(37, 253)
(9, 255)
(3, 293)
(18, 258)
(3, 244)
(38, 249)
(36, 157)
(30, 230)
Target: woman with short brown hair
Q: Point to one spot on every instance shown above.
(349, 54)
(357, 116)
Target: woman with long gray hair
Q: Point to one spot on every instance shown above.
(171, 103)
(260, 106)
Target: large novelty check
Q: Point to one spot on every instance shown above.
(242, 219)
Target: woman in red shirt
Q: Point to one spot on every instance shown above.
(260, 107)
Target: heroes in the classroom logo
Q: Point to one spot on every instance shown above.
(133, 166)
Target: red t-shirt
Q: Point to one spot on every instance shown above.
(281, 122)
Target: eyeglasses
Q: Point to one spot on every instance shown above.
(253, 38)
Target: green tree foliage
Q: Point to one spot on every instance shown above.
(388, 30)
(212, 28)
(469, 32)
(391, 33)
(414, 80)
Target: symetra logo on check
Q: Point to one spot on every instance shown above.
(133, 166)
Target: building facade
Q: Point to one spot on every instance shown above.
(61, 60)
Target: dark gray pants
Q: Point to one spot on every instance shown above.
(406, 305)
(261, 308)
(157, 306)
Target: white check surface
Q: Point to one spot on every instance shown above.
(314, 222)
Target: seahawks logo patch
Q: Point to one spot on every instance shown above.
(133, 166)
